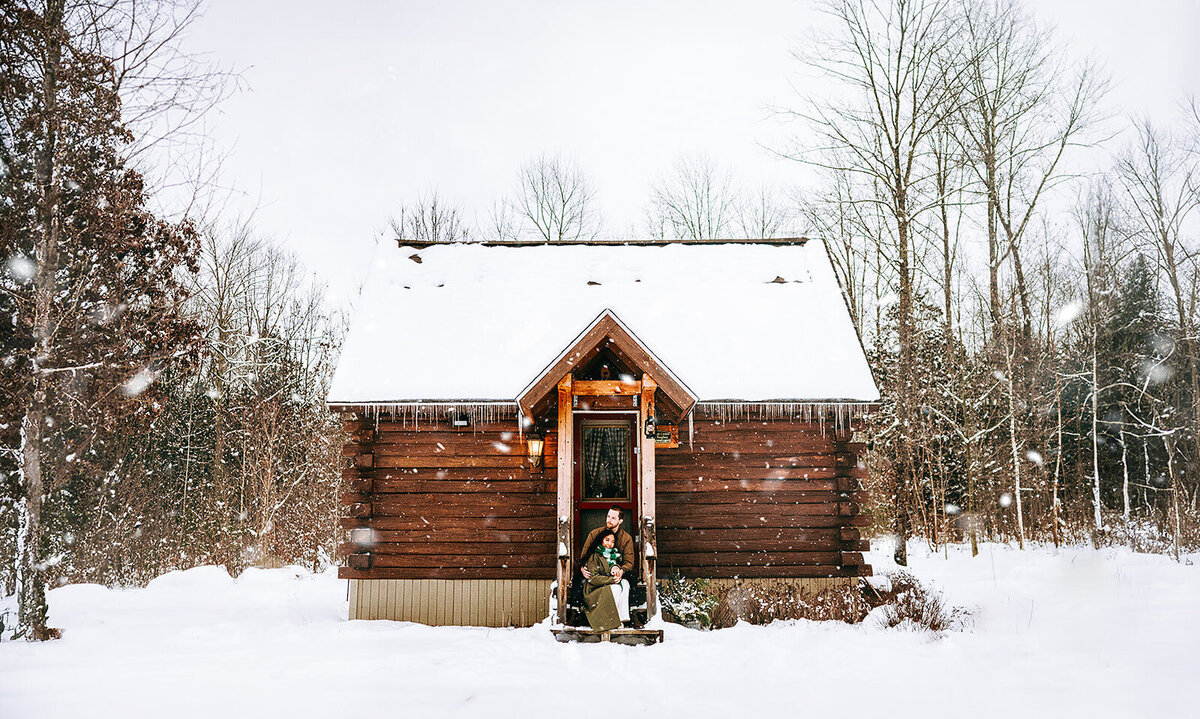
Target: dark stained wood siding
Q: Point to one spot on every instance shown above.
(770, 498)
(447, 503)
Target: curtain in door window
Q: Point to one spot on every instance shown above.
(606, 462)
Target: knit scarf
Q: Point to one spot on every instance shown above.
(612, 555)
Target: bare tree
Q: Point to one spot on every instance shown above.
(1160, 176)
(948, 179)
(505, 225)
(696, 200)
(1026, 104)
(1097, 224)
(854, 233)
(765, 214)
(430, 219)
(555, 201)
(893, 59)
(269, 346)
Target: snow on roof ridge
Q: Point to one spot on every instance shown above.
(609, 242)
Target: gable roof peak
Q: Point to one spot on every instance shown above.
(607, 330)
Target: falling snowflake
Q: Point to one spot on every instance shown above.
(1035, 457)
(1156, 372)
(138, 383)
(21, 268)
(1068, 313)
(362, 536)
(1006, 500)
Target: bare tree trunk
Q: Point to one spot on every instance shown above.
(974, 525)
(32, 610)
(1095, 435)
(1146, 470)
(1125, 481)
(1169, 443)
(993, 258)
(904, 476)
(1016, 452)
(1057, 460)
(31, 585)
(1023, 295)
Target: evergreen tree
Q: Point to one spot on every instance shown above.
(93, 286)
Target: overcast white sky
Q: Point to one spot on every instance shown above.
(351, 108)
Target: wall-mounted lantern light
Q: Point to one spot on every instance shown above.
(650, 426)
(534, 442)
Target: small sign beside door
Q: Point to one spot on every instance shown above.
(666, 435)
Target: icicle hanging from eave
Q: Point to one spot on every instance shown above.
(840, 415)
(411, 413)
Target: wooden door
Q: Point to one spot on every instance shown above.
(605, 472)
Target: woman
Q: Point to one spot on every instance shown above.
(599, 605)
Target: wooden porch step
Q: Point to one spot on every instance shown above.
(632, 637)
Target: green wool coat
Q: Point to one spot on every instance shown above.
(598, 604)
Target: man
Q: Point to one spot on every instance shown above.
(624, 545)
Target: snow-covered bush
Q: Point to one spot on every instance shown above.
(686, 601)
(1142, 534)
(908, 604)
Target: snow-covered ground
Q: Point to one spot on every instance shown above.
(1073, 633)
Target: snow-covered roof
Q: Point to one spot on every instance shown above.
(749, 322)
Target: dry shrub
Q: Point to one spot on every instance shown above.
(909, 604)
(764, 602)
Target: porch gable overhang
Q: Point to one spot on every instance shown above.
(607, 330)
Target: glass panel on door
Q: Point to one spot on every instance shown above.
(606, 450)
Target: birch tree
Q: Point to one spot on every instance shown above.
(1097, 220)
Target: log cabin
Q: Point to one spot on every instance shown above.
(500, 397)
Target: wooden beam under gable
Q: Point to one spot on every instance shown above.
(605, 387)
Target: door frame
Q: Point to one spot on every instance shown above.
(565, 522)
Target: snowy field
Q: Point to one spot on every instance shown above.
(1073, 633)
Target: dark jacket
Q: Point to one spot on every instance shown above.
(624, 546)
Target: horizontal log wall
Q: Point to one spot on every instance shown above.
(440, 602)
(428, 501)
(768, 499)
